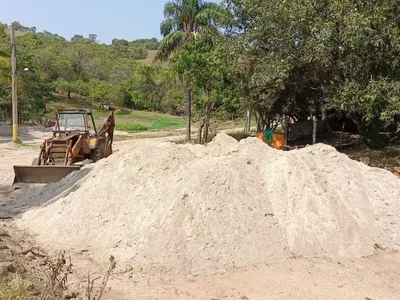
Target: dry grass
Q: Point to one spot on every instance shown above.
(149, 59)
(17, 32)
(386, 158)
(13, 287)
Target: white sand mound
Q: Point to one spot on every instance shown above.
(203, 209)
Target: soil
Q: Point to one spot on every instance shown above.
(373, 274)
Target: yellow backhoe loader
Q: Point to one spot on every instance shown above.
(75, 140)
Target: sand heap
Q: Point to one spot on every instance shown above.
(203, 209)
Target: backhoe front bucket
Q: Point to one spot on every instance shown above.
(41, 174)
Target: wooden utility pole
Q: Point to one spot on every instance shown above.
(14, 86)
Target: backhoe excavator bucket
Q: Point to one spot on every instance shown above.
(42, 174)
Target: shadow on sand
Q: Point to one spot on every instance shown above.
(23, 197)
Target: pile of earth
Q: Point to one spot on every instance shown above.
(191, 209)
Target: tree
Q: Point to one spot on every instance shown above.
(184, 18)
(302, 57)
(207, 65)
(83, 69)
(77, 37)
(93, 37)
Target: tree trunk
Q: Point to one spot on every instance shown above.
(314, 136)
(341, 136)
(323, 113)
(286, 129)
(248, 122)
(69, 95)
(207, 123)
(200, 134)
(188, 112)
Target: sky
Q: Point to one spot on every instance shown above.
(122, 19)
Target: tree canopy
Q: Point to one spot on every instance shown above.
(303, 56)
(276, 58)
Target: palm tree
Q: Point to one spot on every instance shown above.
(183, 19)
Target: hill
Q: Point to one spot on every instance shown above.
(17, 32)
(121, 73)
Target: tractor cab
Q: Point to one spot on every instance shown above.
(74, 122)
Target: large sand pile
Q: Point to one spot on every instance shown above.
(195, 209)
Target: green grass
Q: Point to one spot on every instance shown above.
(131, 127)
(148, 120)
(125, 119)
(165, 124)
(152, 124)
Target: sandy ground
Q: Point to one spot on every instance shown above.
(374, 277)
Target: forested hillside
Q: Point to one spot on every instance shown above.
(83, 68)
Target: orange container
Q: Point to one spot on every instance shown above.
(278, 140)
(261, 136)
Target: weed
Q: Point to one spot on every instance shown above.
(90, 282)
(58, 278)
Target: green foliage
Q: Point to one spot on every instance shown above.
(206, 64)
(82, 68)
(301, 56)
(5, 67)
(182, 20)
(149, 44)
(82, 65)
(20, 27)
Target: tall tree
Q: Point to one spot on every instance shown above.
(208, 65)
(304, 56)
(183, 19)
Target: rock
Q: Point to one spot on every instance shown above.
(7, 268)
